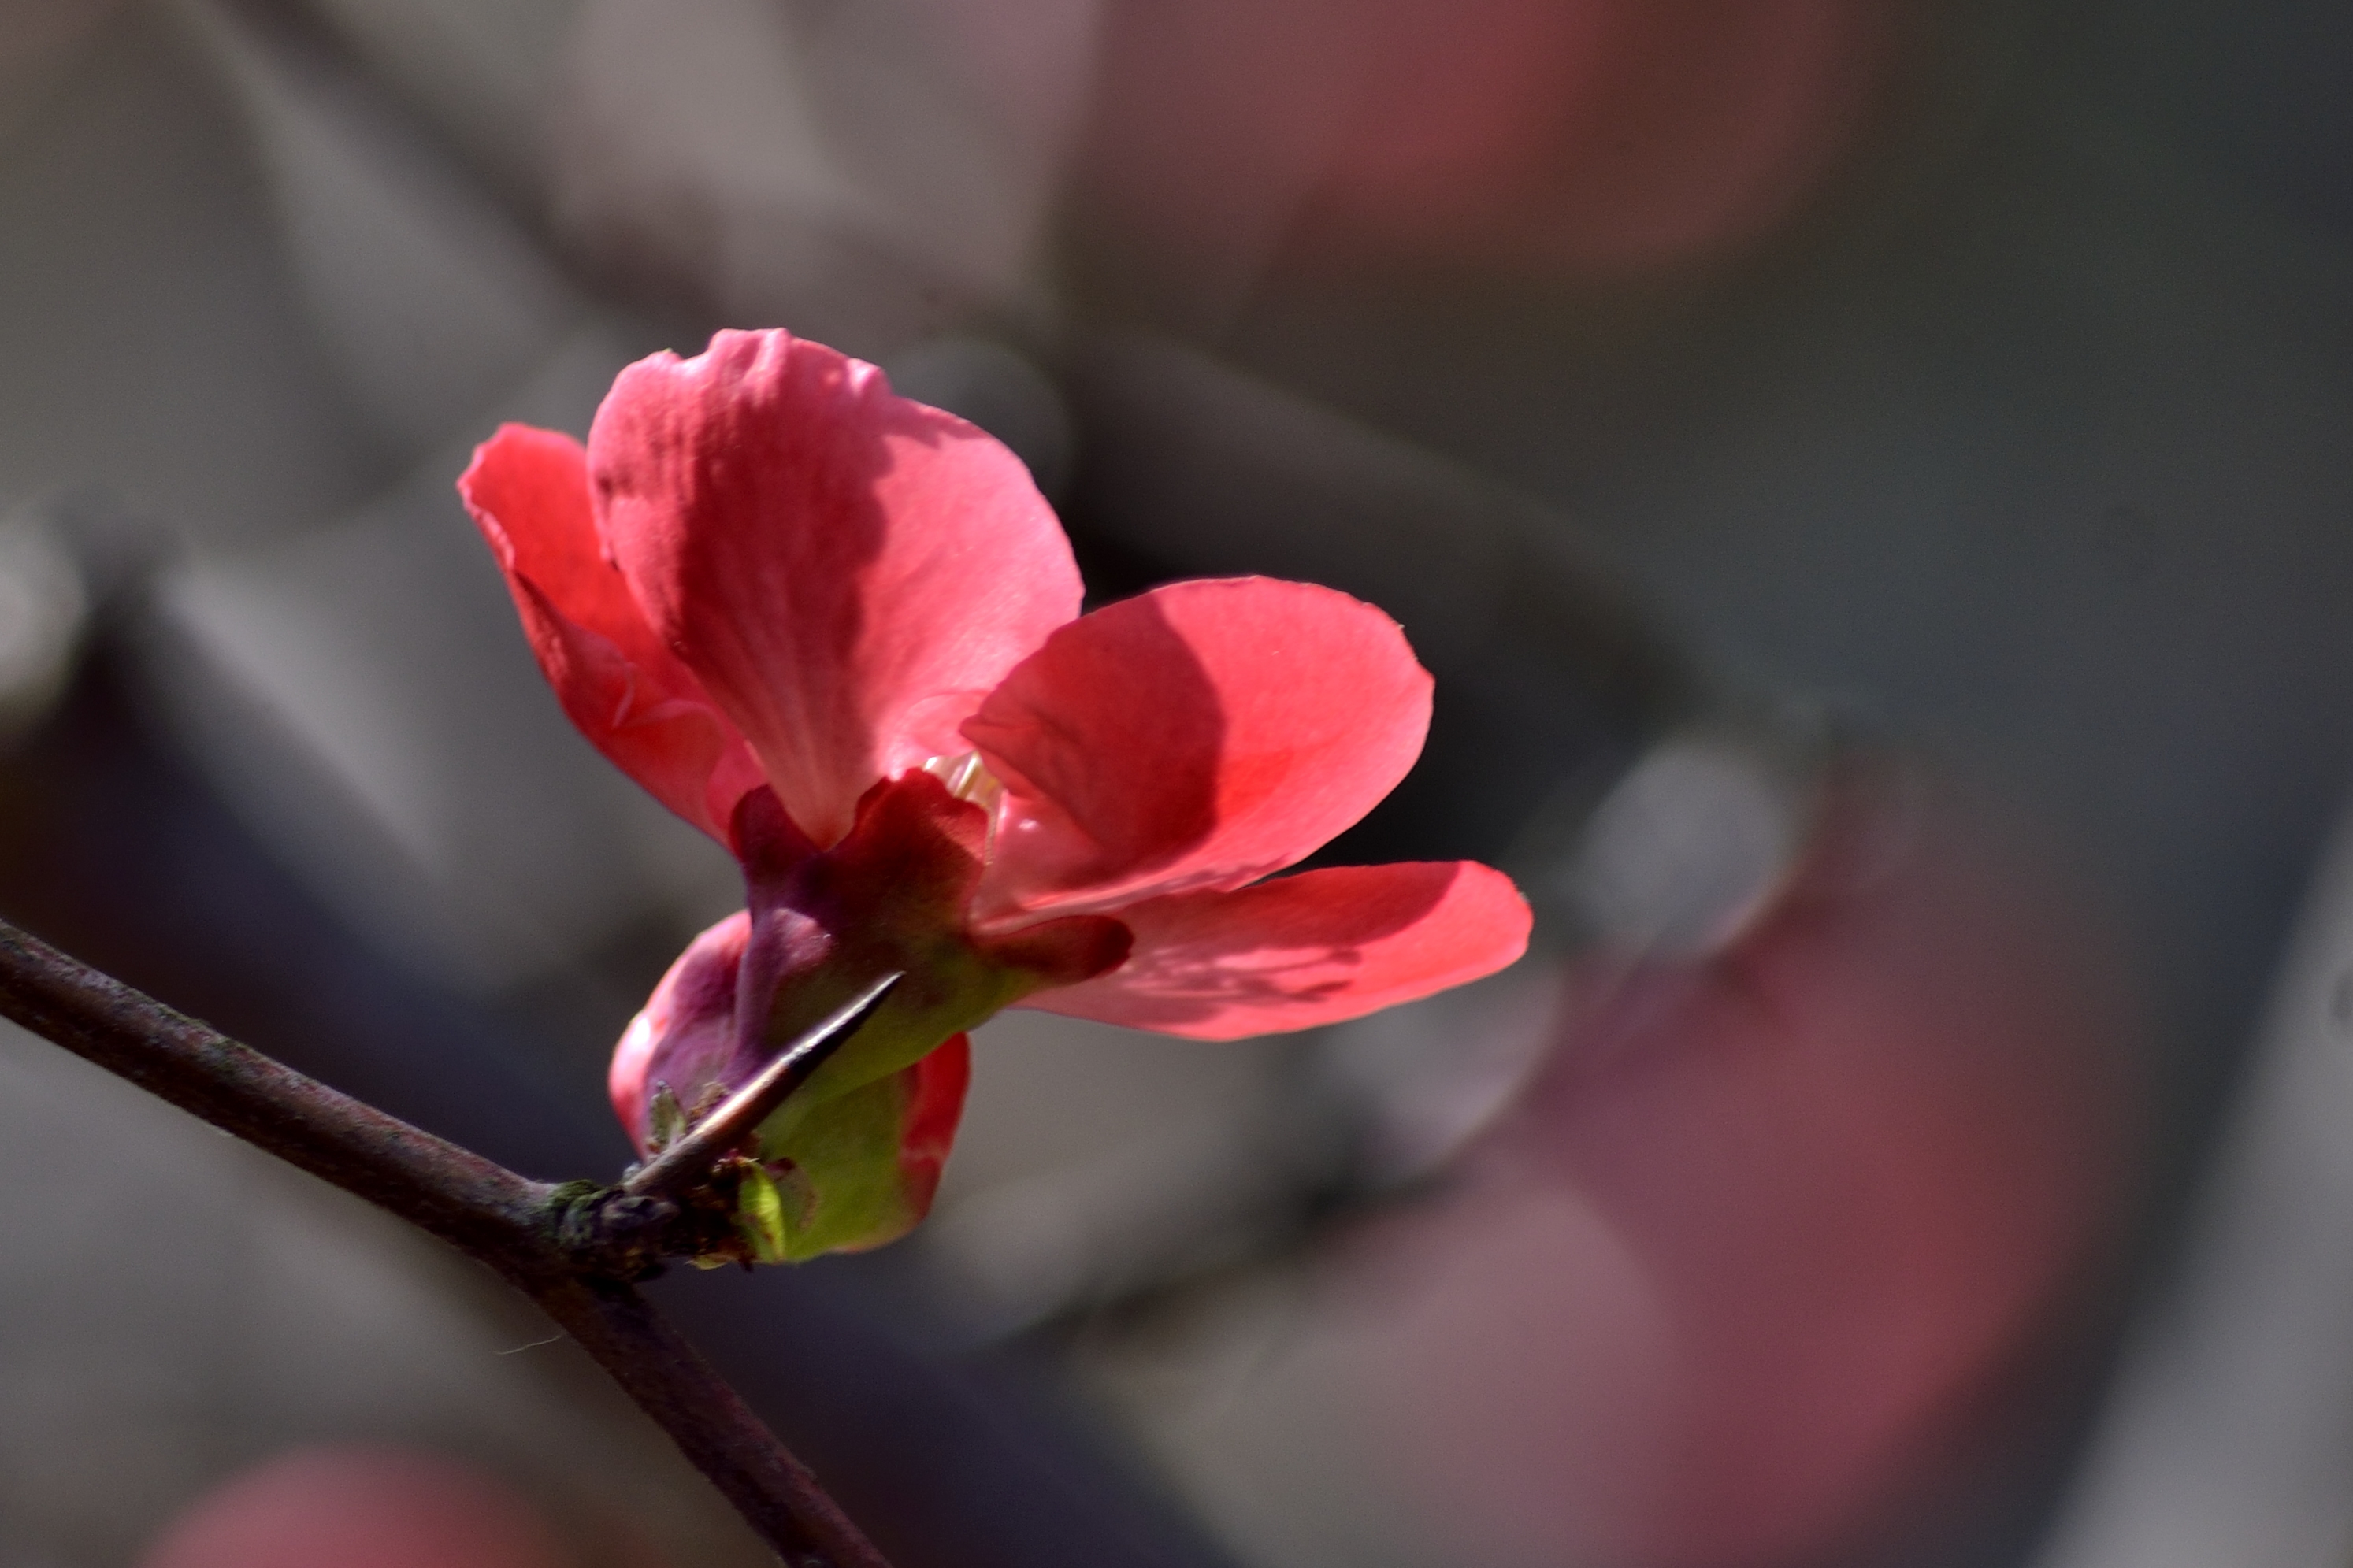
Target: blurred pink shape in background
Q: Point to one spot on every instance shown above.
(1538, 133)
(360, 1507)
(1774, 1226)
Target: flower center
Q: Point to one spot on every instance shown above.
(968, 778)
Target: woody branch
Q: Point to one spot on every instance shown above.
(573, 1248)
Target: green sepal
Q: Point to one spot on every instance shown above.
(895, 895)
(840, 1183)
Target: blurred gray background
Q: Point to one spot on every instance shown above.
(1872, 478)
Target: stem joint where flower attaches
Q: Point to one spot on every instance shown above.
(609, 1233)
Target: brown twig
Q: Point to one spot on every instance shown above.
(713, 1426)
(527, 1231)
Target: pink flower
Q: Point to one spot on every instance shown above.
(838, 631)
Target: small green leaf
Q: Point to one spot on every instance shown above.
(665, 1118)
(760, 1213)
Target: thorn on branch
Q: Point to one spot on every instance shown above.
(688, 1163)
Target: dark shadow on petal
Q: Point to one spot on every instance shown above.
(1116, 731)
(1192, 968)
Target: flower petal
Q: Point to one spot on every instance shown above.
(1318, 948)
(848, 573)
(1201, 735)
(528, 491)
(935, 1095)
(683, 1038)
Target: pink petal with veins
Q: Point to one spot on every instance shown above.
(848, 573)
(1318, 948)
(528, 491)
(1198, 736)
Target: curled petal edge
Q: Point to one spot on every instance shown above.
(847, 572)
(1201, 735)
(1321, 947)
(527, 491)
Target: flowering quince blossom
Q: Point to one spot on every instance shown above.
(839, 632)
